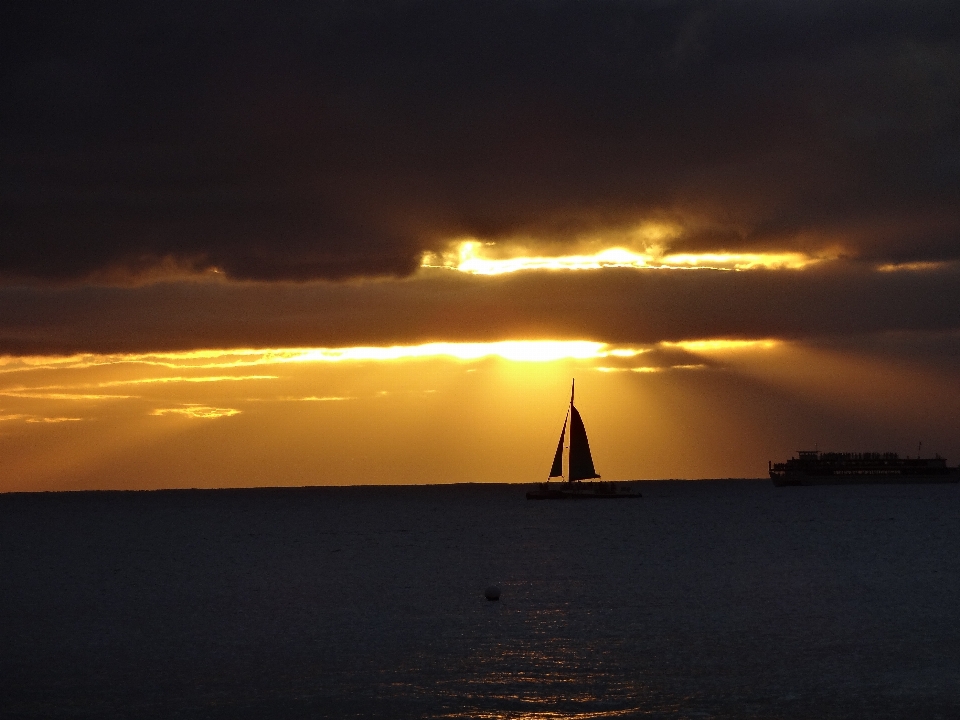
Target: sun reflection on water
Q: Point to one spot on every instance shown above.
(545, 714)
(532, 661)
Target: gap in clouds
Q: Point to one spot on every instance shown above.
(615, 305)
(479, 258)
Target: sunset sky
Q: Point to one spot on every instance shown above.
(358, 242)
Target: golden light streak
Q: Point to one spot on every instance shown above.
(516, 350)
(314, 398)
(8, 418)
(469, 256)
(182, 379)
(39, 394)
(54, 420)
(722, 345)
(741, 261)
(197, 411)
(921, 266)
(27, 361)
(38, 419)
(173, 360)
(52, 392)
(607, 369)
(309, 398)
(652, 368)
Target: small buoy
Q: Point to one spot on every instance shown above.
(492, 593)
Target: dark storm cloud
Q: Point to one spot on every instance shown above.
(616, 306)
(328, 140)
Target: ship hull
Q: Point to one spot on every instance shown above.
(581, 491)
(798, 480)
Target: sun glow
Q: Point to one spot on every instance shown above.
(472, 256)
(515, 350)
(197, 411)
(312, 415)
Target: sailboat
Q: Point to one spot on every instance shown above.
(579, 467)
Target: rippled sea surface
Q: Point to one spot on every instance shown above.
(725, 599)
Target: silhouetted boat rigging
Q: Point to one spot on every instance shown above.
(579, 467)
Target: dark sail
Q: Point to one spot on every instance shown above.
(557, 469)
(581, 462)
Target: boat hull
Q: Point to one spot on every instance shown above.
(892, 479)
(581, 491)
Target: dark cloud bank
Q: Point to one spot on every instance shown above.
(618, 306)
(300, 141)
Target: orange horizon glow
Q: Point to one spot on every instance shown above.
(439, 412)
(166, 393)
(80, 382)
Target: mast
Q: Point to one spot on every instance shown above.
(579, 460)
(573, 385)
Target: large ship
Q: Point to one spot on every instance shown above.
(813, 467)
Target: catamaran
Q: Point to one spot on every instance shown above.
(579, 467)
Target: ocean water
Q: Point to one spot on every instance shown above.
(719, 599)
